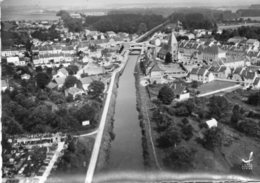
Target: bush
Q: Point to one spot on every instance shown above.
(212, 138)
(254, 99)
(180, 158)
(182, 111)
(249, 127)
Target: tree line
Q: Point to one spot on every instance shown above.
(248, 32)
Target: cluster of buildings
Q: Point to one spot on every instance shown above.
(29, 156)
(204, 59)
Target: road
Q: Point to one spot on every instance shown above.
(100, 131)
(47, 172)
(221, 90)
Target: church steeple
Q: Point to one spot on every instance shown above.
(173, 46)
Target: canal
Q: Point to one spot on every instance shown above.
(126, 151)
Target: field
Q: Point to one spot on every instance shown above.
(235, 26)
(215, 85)
(236, 144)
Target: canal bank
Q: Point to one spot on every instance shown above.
(122, 143)
(149, 150)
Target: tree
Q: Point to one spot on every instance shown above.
(57, 98)
(86, 113)
(218, 106)
(70, 82)
(42, 120)
(96, 88)
(11, 126)
(72, 146)
(254, 99)
(180, 158)
(171, 137)
(166, 95)
(186, 129)
(72, 69)
(38, 69)
(142, 28)
(236, 115)
(162, 120)
(212, 138)
(249, 127)
(168, 58)
(42, 80)
(194, 84)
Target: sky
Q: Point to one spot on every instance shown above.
(111, 3)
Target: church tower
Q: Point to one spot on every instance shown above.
(173, 47)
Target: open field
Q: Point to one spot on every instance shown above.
(215, 85)
(235, 26)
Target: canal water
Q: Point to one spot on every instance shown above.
(126, 151)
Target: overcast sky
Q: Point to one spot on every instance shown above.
(106, 3)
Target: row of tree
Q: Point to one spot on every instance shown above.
(45, 35)
(248, 32)
(193, 21)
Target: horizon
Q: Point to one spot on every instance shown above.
(103, 4)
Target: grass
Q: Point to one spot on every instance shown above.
(235, 145)
(215, 85)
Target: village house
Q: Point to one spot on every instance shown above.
(162, 52)
(4, 85)
(92, 69)
(10, 52)
(173, 70)
(180, 91)
(253, 43)
(86, 82)
(238, 73)
(249, 77)
(155, 74)
(59, 81)
(202, 75)
(74, 92)
(62, 73)
(236, 40)
(215, 70)
(233, 62)
(224, 72)
(256, 83)
(212, 123)
(52, 85)
(68, 50)
(13, 60)
(213, 53)
(111, 34)
(25, 77)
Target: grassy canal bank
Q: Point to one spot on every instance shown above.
(148, 154)
(109, 136)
